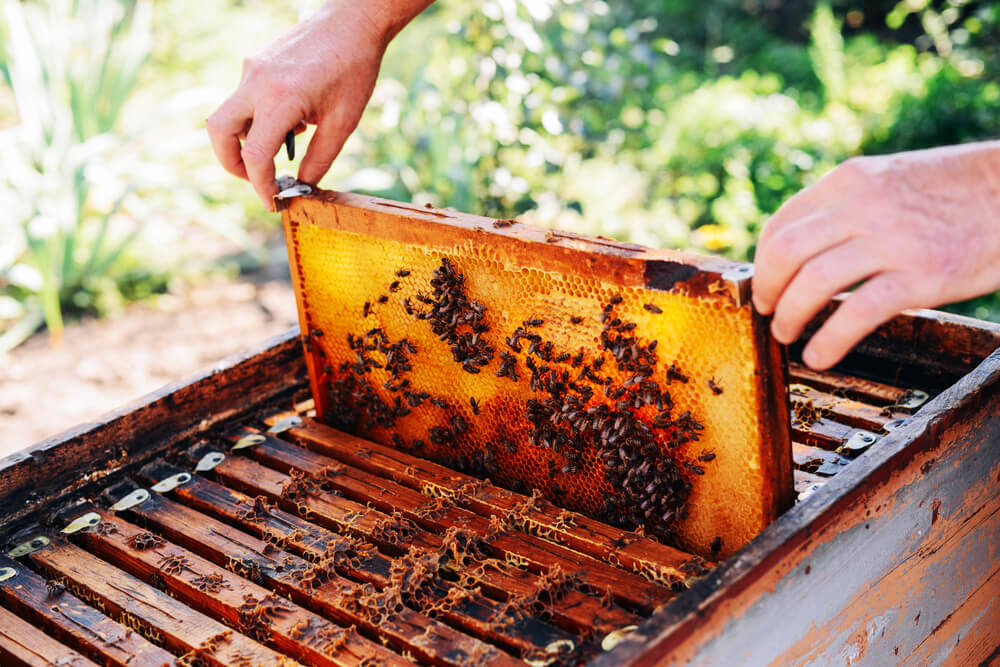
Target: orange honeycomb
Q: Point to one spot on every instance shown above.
(549, 362)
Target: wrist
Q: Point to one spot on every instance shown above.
(380, 20)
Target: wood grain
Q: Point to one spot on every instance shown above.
(600, 540)
(69, 620)
(23, 644)
(525, 636)
(145, 609)
(240, 603)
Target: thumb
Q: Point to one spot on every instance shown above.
(323, 148)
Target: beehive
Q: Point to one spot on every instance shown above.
(633, 385)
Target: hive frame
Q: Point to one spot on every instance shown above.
(708, 280)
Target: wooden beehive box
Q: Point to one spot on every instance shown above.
(892, 559)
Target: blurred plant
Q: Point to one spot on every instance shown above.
(73, 182)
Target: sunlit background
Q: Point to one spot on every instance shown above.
(678, 123)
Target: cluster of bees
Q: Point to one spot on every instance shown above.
(456, 319)
(628, 430)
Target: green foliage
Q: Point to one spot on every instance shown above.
(77, 185)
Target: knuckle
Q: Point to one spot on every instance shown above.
(816, 272)
(880, 296)
(785, 245)
(251, 66)
(214, 123)
(852, 169)
(254, 154)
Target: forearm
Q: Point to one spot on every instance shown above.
(386, 17)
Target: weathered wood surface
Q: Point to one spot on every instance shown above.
(842, 384)
(576, 612)
(325, 592)
(149, 611)
(896, 558)
(537, 554)
(475, 614)
(23, 644)
(597, 539)
(824, 433)
(929, 349)
(846, 410)
(68, 619)
(241, 603)
(133, 433)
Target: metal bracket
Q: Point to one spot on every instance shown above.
(249, 441)
(137, 497)
(809, 491)
(88, 520)
(29, 547)
(282, 425)
(859, 441)
(832, 467)
(7, 573)
(291, 187)
(172, 482)
(912, 399)
(615, 637)
(209, 461)
(894, 425)
(552, 653)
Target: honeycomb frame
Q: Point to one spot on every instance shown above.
(388, 360)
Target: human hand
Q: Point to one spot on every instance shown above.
(321, 72)
(921, 229)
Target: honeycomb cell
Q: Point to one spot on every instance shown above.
(634, 405)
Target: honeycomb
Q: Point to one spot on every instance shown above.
(544, 365)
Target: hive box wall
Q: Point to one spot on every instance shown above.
(361, 265)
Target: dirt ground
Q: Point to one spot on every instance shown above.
(105, 363)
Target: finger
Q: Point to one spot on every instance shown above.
(323, 149)
(822, 194)
(297, 130)
(779, 258)
(818, 281)
(266, 137)
(862, 312)
(224, 128)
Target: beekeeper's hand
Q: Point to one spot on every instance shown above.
(917, 229)
(320, 72)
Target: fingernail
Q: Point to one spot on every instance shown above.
(810, 357)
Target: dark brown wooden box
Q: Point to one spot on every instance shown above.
(895, 559)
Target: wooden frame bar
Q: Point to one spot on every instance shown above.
(524, 636)
(539, 555)
(23, 644)
(75, 623)
(655, 560)
(148, 610)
